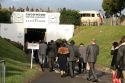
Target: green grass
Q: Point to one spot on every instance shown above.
(104, 35)
(17, 63)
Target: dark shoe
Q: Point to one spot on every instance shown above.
(88, 79)
(72, 76)
(41, 65)
(62, 76)
(95, 80)
(42, 70)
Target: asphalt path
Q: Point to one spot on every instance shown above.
(54, 77)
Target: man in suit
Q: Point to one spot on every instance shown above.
(42, 53)
(92, 52)
(73, 56)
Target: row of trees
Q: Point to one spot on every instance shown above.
(5, 15)
(113, 9)
(67, 16)
(20, 9)
(32, 9)
(113, 6)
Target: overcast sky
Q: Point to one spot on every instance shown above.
(72, 4)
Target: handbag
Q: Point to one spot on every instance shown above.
(87, 66)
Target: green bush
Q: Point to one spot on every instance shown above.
(5, 16)
(69, 17)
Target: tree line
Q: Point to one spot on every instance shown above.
(5, 15)
(68, 16)
(112, 7)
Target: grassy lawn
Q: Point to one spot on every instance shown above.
(17, 63)
(104, 35)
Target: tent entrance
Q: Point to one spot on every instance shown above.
(34, 35)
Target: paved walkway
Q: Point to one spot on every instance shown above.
(54, 77)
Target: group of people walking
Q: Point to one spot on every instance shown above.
(67, 55)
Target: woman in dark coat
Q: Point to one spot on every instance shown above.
(114, 52)
(63, 53)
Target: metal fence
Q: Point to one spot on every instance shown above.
(2, 71)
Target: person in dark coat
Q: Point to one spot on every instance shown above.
(92, 52)
(52, 53)
(35, 51)
(63, 53)
(120, 63)
(73, 56)
(82, 58)
(114, 52)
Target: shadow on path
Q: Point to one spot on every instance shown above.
(54, 77)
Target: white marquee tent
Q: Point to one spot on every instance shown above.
(35, 20)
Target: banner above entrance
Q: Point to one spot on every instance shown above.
(35, 17)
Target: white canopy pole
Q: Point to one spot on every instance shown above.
(31, 65)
